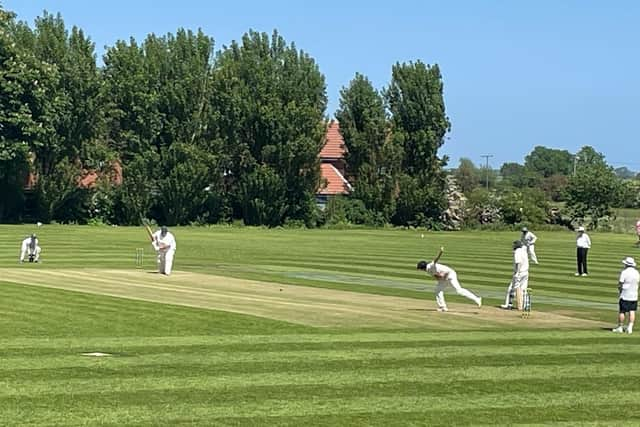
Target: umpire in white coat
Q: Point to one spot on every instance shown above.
(164, 244)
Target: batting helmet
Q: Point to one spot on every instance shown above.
(422, 265)
(517, 244)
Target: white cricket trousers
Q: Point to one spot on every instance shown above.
(165, 261)
(35, 252)
(518, 281)
(531, 250)
(452, 280)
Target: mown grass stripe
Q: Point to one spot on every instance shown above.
(205, 368)
(322, 406)
(428, 377)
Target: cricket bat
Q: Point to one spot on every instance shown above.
(149, 231)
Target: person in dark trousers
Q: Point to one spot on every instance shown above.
(583, 243)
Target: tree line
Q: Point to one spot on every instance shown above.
(551, 186)
(174, 130)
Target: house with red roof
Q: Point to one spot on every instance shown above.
(333, 166)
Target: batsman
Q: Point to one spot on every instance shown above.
(520, 278)
(164, 243)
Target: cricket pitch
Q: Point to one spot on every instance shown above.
(317, 307)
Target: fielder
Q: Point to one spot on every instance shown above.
(165, 245)
(628, 287)
(445, 275)
(638, 232)
(528, 240)
(31, 248)
(520, 279)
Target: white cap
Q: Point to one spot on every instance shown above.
(581, 228)
(628, 261)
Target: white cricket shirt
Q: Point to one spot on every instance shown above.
(521, 258)
(629, 278)
(529, 238)
(434, 268)
(168, 241)
(583, 241)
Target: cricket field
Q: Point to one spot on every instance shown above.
(308, 327)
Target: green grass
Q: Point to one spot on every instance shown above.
(174, 365)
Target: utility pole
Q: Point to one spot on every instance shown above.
(486, 156)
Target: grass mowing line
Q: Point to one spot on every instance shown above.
(308, 405)
(363, 354)
(424, 375)
(296, 304)
(518, 337)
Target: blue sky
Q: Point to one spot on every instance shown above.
(562, 73)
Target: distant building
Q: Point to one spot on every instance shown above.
(332, 166)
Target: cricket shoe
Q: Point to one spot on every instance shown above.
(506, 306)
(584, 274)
(576, 274)
(629, 331)
(618, 330)
(479, 302)
(442, 309)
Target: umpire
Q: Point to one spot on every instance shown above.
(583, 243)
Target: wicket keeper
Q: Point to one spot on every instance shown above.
(30, 246)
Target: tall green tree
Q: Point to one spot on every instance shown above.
(594, 189)
(269, 99)
(28, 111)
(16, 122)
(132, 114)
(549, 161)
(467, 175)
(419, 125)
(71, 112)
(373, 161)
(158, 97)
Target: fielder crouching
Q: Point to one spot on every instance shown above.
(30, 246)
(520, 279)
(165, 245)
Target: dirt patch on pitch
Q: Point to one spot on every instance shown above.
(317, 307)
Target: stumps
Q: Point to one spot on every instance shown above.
(139, 257)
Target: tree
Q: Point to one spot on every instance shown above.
(519, 176)
(131, 106)
(593, 190)
(28, 110)
(528, 206)
(467, 175)
(269, 99)
(419, 124)
(549, 161)
(373, 161)
(187, 184)
(624, 173)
